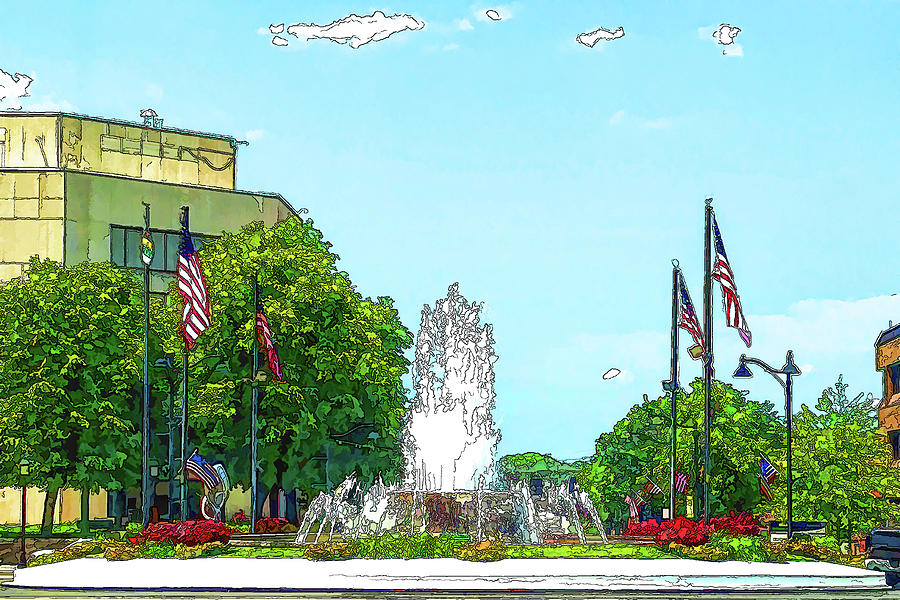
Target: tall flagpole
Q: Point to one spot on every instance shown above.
(673, 387)
(254, 400)
(146, 258)
(184, 404)
(708, 356)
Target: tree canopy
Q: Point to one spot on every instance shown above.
(341, 404)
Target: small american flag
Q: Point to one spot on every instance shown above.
(634, 506)
(681, 482)
(650, 488)
(264, 335)
(767, 469)
(200, 470)
(687, 317)
(192, 286)
(764, 489)
(734, 314)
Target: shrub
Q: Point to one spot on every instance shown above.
(738, 524)
(274, 525)
(189, 533)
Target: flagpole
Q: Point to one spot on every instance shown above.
(184, 404)
(145, 404)
(254, 400)
(708, 356)
(673, 383)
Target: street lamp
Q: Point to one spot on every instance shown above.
(789, 370)
(23, 471)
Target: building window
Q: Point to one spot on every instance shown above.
(125, 247)
(894, 374)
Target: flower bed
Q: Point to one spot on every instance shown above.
(686, 532)
(188, 533)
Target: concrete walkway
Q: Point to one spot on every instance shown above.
(444, 574)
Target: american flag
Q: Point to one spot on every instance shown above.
(767, 469)
(634, 506)
(687, 316)
(681, 482)
(192, 286)
(264, 335)
(200, 470)
(650, 488)
(764, 490)
(734, 315)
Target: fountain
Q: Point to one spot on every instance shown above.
(449, 446)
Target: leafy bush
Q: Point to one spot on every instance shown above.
(680, 531)
(738, 524)
(239, 517)
(739, 547)
(188, 533)
(274, 525)
(76, 550)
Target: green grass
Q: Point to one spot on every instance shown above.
(58, 529)
(588, 551)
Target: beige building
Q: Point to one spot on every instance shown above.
(887, 360)
(72, 189)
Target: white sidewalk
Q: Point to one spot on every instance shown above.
(444, 574)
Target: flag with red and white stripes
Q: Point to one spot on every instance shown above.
(734, 314)
(264, 335)
(192, 286)
(687, 317)
(681, 482)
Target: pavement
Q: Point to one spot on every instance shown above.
(446, 575)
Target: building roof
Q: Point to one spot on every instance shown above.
(24, 113)
(888, 334)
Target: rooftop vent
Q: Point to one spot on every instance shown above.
(151, 119)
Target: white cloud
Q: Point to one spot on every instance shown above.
(13, 88)
(617, 117)
(734, 50)
(500, 13)
(279, 28)
(464, 25)
(723, 35)
(254, 135)
(451, 46)
(357, 30)
(659, 123)
(612, 373)
(592, 37)
(50, 104)
(279, 41)
(263, 31)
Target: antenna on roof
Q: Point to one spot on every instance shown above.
(151, 119)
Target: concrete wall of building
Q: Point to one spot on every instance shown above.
(146, 153)
(29, 141)
(68, 506)
(31, 219)
(94, 202)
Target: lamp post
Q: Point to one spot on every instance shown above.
(166, 363)
(23, 471)
(789, 370)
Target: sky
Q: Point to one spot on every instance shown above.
(553, 180)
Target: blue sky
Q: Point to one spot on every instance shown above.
(553, 181)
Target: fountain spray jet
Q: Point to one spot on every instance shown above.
(450, 440)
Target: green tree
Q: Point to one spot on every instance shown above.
(524, 466)
(341, 405)
(638, 448)
(842, 465)
(69, 378)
